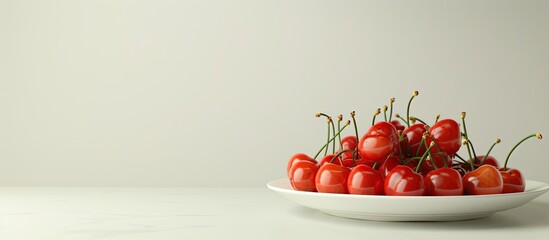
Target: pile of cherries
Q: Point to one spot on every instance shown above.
(414, 159)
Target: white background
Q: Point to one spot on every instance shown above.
(222, 93)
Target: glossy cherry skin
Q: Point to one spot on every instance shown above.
(328, 158)
(397, 125)
(298, 156)
(513, 181)
(375, 148)
(486, 179)
(302, 175)
(332, 178)
(439, 160)
(403, 181)
(447, 135)
(365, 180)
(349, 142)
(349, 162)
(490, 160)
(443, 182)
(414, 134)
(384, 129)
(388, 165)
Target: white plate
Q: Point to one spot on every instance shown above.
(409, 208)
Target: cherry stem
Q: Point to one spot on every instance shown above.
(330, 122)
(392, 100)
(378, 111)
(337, 134)
(437, 117)
(458, 156)
(463, 114)
(339, 154)
(399, 117)
(339, 119)
(385, 113)
(413, 119)
(489, 150)
(354, 123)
(420, 144)
(414, 94)
(466, 142)
(423, 157)
(538, 135)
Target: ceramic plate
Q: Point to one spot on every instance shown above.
(408, 208)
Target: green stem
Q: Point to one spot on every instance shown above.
(422, 158)
(392, 100)
(408, 108)
(334, 132)
(326, 145)
(339, 119)
(489, 150)
(470, 156)
(375, 115)
(354, 123)
(385, 113)
(399, 117)
(421, 121)
(458, 156)
(463, 114)
(339, 154)
(513, 149)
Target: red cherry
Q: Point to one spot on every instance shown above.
(388, 165)
(489, 160)
(365, 180)
(375, 148)
(332, 178)
(298, 156)
(435, 161)
(349, 143)
(443, 182)
(397, 125)
(414, 134)
(403, 181)
(447, 135)
(328, 158)
(384, 129)
(513, 181)
(484, 180)
(302, 175)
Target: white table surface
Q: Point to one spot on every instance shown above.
(224, 213)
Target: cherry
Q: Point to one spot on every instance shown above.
(296, 157)
(513, 181)
(414, 134)
(388, 165)
(365, 180)
(384, 129)
(443, 182)
(397, 125)
(435, 161)
(302, 175)
(332, 178)
(447, 135)
(486, 179)
(490, 160)
(328, 158)
(375, 148)
(403, 181)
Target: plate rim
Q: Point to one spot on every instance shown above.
(541, 187)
